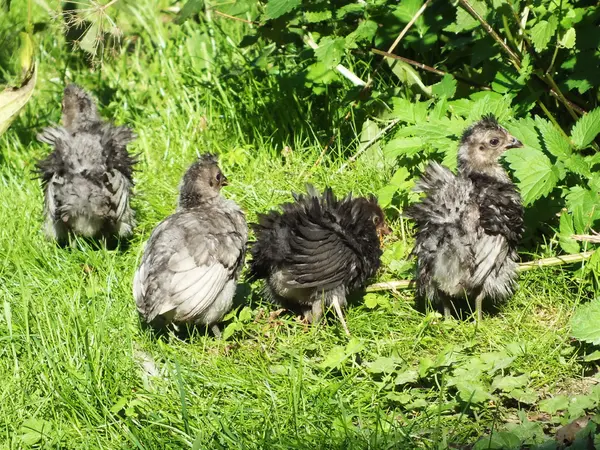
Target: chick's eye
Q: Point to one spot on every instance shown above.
(375, 220)
(219, 177)
(494, 141)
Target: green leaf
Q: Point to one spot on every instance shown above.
(317, 16)
(36, 430)
(552, 405)
(542, 33)
(277, 8)
(231, 329)
(245, 315)
(586, 129)
(339, 354)
(567, 243)
(330, 51)
(383, 364)
(408, 376)
(585, 206)
(527, 396)
(536, 173)
(509, 383)
(471, 391)
(555, 142)
(524, 130)
(504, 440)
(446, 87)
(568, 39)
(403, 146)
(464, 20)
(594, 356)
(584, 323)
(409, 112)
(364, 32)
(320, 73)
(190, 8)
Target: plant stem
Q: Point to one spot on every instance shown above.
(430, 69)
(523, 267)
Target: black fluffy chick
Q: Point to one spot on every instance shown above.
(87, 179)
(194, 257)
(469, 224)
(316, 250)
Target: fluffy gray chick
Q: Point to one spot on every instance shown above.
(469, 225)
(87, 179)
(194, 257)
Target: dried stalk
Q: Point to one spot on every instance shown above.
(430, 69)
(523, 267)
(593, 238)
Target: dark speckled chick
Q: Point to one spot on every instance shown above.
(318, 249)
(469, 224)
(87, 179)
(194, 257)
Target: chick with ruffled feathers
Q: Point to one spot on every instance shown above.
(192, 261)
(87, 179)
(469, 224)
(316, 250)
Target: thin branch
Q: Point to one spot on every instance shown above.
(430, 69)
(368, 144)
(513, 56)
(227, 16)
(523, 267)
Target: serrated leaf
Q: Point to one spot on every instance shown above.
(383, 364)
(320, 73)
(555, 142)
(586, 129)
(464, 21)
(584, 323)
(567, 243)
(403, 146)
(446, 87)
(409, 112)
(330, 51)
(536, 174)
(542, 33)
(585, 206)
(372, 300)
(317, 16)
(364, 32)
(568, 39)
(524, 130)
(552, 405)
(509, 383)
(408, 376)
(245, 315)
(277, 8)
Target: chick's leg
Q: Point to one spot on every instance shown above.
(338, 311)
(478, 306)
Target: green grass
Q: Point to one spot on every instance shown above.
(72, 350)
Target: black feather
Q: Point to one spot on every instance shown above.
(316, 246)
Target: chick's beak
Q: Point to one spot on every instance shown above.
(514, 143)
(383, 231)
(224, 181)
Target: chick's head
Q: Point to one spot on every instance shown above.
(202, 182)
(482, 144)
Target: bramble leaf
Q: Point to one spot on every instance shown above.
(277, 8)
(542, 33)
(330, 51)
(567, 243)
(586, 129)
(584, 323)
(446, 87)
(536, 173)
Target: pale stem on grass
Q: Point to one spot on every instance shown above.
(593, 238)
(523, 267)
(345, 72)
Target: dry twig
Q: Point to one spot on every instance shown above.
(523, 267)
